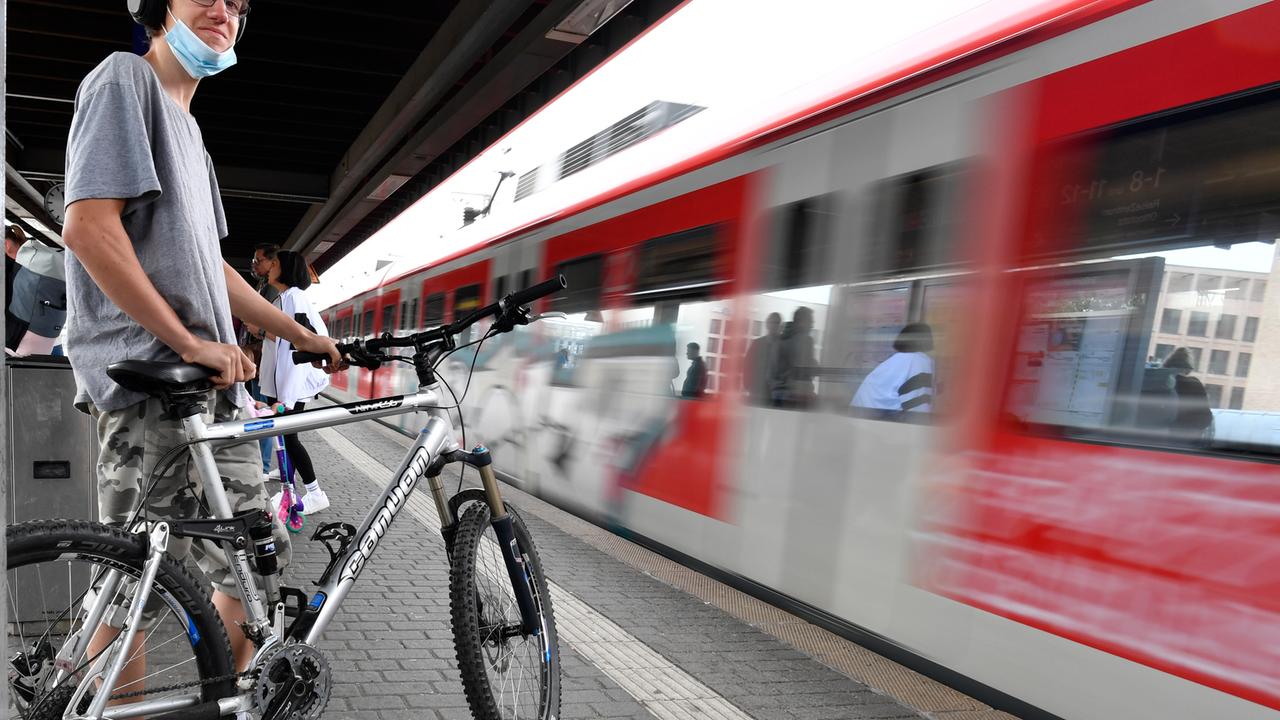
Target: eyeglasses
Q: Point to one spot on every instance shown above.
(239, 8)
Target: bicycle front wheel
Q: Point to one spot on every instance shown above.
(56, 570)
(506, 674)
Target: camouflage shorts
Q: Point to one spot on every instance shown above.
(134, 439)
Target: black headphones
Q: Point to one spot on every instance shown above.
(149, 13)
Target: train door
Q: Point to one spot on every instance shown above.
(387, 313)
(341, 329)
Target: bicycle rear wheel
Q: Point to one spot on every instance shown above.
(55, 570)
(506, 675)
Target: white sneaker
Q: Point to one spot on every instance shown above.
(275, 502)
(274, 475)
(314, 502)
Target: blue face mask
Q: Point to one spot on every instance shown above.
(197, 58)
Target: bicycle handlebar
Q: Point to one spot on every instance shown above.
(507, 304)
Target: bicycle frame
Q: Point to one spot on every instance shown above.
(434, 446)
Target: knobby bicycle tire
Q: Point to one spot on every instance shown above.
(466, 603)
(43, 541)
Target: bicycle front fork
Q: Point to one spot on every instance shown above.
(512, 555)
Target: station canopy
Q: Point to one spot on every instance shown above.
(339, 115)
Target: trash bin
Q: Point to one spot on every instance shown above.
(52, 452)
(52, 445)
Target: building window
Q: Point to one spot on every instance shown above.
(1181, 282)
(1242, 364)
(1250, 329)
(1259, 290)
(1236, 288)
(1198, 326)
(1237, 399)
(1163, 351)
(1208, 283)
(1226, 327)
(1218, 360)
(1170, 321)
(1214, 392)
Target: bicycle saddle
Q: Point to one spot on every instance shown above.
(155, 378)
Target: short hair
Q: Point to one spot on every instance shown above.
(773, 317)
(15, 233)
(268, 250)
(1179, 359)
(695, 346)
(916, 337)
(293, 270)
(800, 312)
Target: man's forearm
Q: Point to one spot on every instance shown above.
(248, 305)
(107, 254)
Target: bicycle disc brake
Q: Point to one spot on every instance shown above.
(293, 684)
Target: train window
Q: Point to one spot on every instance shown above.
(685, 264)
(433, 310)
(413, 315)
(526, 280)
(499, 287)
(1149, 223)
(404, 315)
(800, 253)
(584, 276)
(388, 318)
(465, 299)
(367, 329)
(916, 228)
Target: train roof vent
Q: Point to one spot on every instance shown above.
(639, 125)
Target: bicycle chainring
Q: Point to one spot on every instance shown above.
(293, 684)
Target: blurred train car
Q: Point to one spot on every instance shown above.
(1059, 521)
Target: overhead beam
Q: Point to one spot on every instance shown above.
(47, 163)
(470, 30)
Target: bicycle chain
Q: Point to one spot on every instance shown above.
(179, 686)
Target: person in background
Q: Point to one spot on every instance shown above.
(264, 256)
(39, 297)
(293, 386)
(794, 363)
(14, 328)
(903, 383)
(695, 379)
(1192, 419)
(759, 360)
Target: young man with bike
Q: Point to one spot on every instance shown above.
(146, 279)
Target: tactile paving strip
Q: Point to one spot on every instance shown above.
(665, 690)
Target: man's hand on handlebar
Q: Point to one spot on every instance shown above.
(321, 345)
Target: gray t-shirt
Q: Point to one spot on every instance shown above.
(130, 141)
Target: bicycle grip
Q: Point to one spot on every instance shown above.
(302, 358)
(542, 289)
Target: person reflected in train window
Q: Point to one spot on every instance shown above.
(794, 363)
(695, 379)
(1192, 420)
(903, 383)
(759, 360)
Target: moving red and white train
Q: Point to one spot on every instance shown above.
(1064, 199)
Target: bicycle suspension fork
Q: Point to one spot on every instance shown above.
(512, 554)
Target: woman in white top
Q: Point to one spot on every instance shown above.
(904, 382)
(286, 383)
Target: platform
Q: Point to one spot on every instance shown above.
(640, 636)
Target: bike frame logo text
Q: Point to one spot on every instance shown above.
(393, 501)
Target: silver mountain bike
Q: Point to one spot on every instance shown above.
(88, 600)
